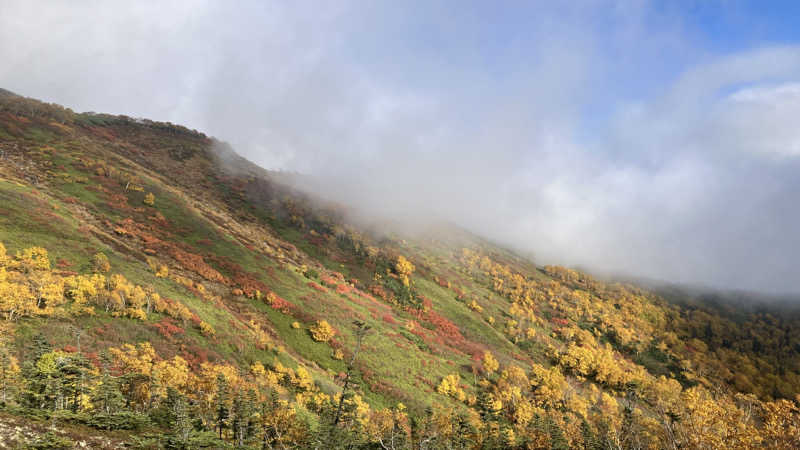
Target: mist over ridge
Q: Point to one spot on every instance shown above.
(616, 136)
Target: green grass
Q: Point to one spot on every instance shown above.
(300, 341)
(406, 367)
(38, 134)
(30, 219)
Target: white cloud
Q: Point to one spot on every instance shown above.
(761, 119)
(608, 137)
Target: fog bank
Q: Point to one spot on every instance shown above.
(620, 136)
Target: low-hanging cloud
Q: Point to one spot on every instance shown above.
(601, 134)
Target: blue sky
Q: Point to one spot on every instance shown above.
(730, 26)
(646, 138)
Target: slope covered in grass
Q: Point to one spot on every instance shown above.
(220, 276)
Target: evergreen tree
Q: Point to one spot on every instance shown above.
(8, 376)
(330, 435)
(423, 432)
(107, 398)
(40, 346)
(265, 410)
(181, 423)
(72, 379)
(361, 330)
(242, 416)
(35, 382)
(221, 406)
(463, 432)
(486, 406)
(590, 439)
(558, 441)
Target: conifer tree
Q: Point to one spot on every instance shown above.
(590, 440)
(462, 432)
(181, 423)
(222, 410)
(361, 330)
(40, 346)
(9, 372)
(242, 416)
(71, 377)
(107, 398)
(35, 389)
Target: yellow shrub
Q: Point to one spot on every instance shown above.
(322, 331)
(450, 386)
(207, 329)
(149, 199)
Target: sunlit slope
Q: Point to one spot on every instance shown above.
(78, 187)
(147, 248)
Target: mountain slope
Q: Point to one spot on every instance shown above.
(147, 267)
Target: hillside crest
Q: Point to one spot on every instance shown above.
(155, 287)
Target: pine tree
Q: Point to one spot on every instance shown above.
(221, 406)
(37, 384)
(107, 397)
(265, 410)
(181, 424)
(71, 375)
(40, 346)
(361, 330)
(590, 439)
(8, 376)
(463, 432)
(487, 404)
(242, 416)
(423, 430)
(558, 441)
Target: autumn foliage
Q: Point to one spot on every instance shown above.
(322, 331)
(224, 320)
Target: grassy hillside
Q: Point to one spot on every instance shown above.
(158, 291)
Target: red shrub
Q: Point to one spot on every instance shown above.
(93, 358)
(196, 321)
(196, 264)
(317, 241)
(366, 296)
(250, 285)
(338, 276)
(389, 319)
(281, 304)
(444, 327)
(195, 356)
(330, 281)
(342, 288)
(313, 285)
(378, 291)
(167, 328)
(162, 221)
